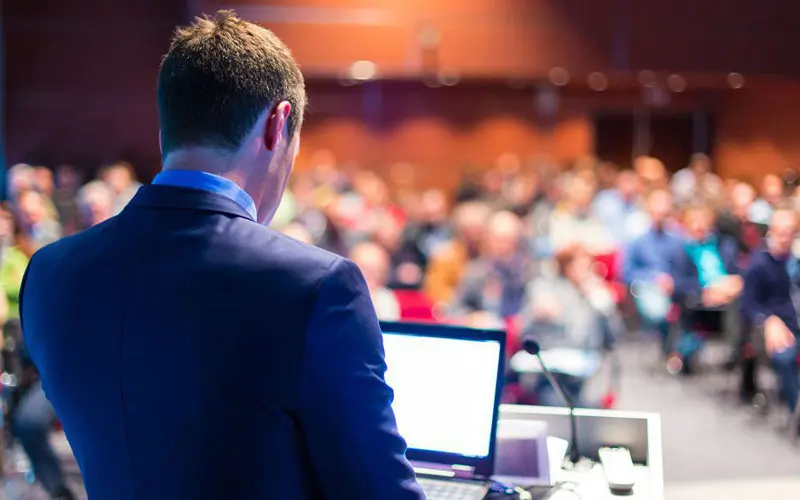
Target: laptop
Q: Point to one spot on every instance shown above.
(447, 383)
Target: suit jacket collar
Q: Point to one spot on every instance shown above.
(176, 198)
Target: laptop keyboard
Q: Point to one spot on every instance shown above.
(436, 489)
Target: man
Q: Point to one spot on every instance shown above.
(619, 208)
(447, 264)
(189, 351)
(706, 283)
(121, 177)
(496, 281)
(646, 266)
(772, 193)
(36, 220)
(735, 222)
(373, 261)
(767, 299)
(96, 203)
(696, 182)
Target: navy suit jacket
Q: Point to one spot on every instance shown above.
(192, 354)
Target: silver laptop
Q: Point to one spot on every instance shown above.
(447, 383)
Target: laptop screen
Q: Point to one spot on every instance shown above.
(445, 388)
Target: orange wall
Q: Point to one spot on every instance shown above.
(440, 131)
(758, 132)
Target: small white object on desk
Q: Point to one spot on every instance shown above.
(618, 468)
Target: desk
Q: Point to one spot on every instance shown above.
(640, 432)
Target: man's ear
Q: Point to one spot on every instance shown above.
(276, 120)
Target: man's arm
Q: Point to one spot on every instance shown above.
(345, 404)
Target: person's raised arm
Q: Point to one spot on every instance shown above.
(345, 404)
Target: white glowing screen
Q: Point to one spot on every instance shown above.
(444, 392)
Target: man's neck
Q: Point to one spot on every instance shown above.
(203, 160)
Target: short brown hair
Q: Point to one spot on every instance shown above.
(566, 256)
(219, 75)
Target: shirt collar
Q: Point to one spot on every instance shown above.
(204, 181)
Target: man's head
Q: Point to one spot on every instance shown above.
(20, 179)
(119, 176)
(503, 237)
(231, 100)
(772, 189)
(579, 192)
(698, 220)
(741, 198)
(32, 207)
(67, 178)
(659, 206)
(782, 230)
(433, 206)
(96, 202)
(44, 181)
(574, 263)
(373, 261)
(470, 220)
(628, 184)
(700, 164)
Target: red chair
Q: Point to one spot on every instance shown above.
(607, 267)
(414, 306)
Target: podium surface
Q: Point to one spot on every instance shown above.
(638, 431)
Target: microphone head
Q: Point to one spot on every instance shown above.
(531, 346)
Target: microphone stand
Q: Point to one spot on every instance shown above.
(532, 347)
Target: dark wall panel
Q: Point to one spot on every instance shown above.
(81, 79)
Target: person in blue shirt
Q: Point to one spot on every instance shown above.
(767, 300)
(706, 283)
(646, 266)
(620, 209)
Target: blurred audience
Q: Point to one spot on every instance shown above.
(619, 209)
(648, 264)
(373, 261)
(770, 299)
(36, 219)
(517, 245)
(495, 282)
(572, 222)
(706, 279)
(96, 203)
(771, 194)
(697, 183)
(448, 263)
(122, 179)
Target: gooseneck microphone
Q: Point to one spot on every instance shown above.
(531, 346)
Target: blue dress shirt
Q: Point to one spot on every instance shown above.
(204, 181)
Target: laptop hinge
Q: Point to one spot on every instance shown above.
(444, 471)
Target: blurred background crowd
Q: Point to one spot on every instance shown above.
(575, 255)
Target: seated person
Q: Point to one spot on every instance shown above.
(572, 222)
(646, 267)
(767, 299)
(373, 261)
(706, 278)
(495, 282)
(446, 266)
(573, 310)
